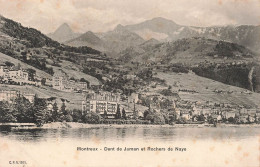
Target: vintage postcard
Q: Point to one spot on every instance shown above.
(129, 83)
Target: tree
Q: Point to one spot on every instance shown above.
(155, 118)
(166, 117)
(63, 109)
(55, 114)
(248, 119)
(190, 112)
(123, 114)
(40, 110)
(6, 114)
(31, 74)
(255, 117)
(159, 119)
(231, 120)
(19, 66)
(201, 117)
(72, 78)
(172, 117)
(43, 81)
(118, 113)
(68, 118)
(18, 109)
(211, 120)
(105, 114)
(146, 112)
(181, 120)
(9, 64)
(48, 116)
(77, 115)
(93, 118)
(22, 109)
(65, 115)
(135, 113)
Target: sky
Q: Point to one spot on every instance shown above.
(104, 15)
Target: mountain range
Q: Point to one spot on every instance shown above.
(111, 42)
(187, 51)
(221, 60)
(161, 29)
(166, 51)
(246, 35)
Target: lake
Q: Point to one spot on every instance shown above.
(207, 146)
(141, 133)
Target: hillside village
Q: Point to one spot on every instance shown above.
(55, 82)
(145, 105)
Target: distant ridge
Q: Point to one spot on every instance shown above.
(87, 39)
(63, 33)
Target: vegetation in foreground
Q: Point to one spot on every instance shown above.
(22, 111)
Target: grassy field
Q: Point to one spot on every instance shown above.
(74, 100)
(74, 71)
(39, 73)
(206, 87)
(71, 69)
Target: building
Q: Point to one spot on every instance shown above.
(10, 95)
(134, 98)
(3, 70)
(72, 85)
(229, 114)
(196, 111)
(29, 96)
(15, 75)
(101, 103)
(217, 117)
(186, 115)
(82, 85)
(59, 80)
(18, 74)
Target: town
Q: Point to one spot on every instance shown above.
(99, 106)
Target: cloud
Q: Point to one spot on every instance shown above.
(103, 15)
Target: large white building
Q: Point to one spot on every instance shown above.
(15, 74)
(10, 95)
(101, 102)
(60, 81)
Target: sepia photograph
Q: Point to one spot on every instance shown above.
(129, 83)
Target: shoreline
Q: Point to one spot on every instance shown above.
(75, 125)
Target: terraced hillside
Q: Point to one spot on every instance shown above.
(209, 90)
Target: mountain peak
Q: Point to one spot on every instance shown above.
(63, 33)
(162, 20)
(64, 28)
(158, 28)
(65, 25)
(119, 27)
(88, 34)
(153, 40)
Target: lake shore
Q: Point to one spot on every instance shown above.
(75, 125)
